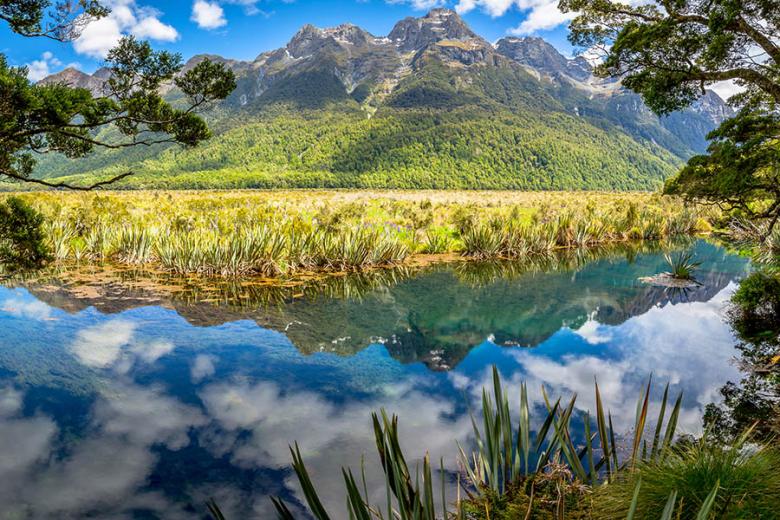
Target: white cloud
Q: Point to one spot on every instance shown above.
(492, 7)
(248, 426)
(126, 18)
(208, 15)
(98, 37)
(420, 5)
(166, 420)
(540, 14)
(593, 332)
(152, 351)
(107, 469)
(10, 401)
(153, 29)
(112, 344)
(39, 69)
(202, 367)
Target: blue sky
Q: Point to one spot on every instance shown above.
(242, 29)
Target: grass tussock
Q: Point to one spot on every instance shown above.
(682, 265)
(278, 233)
(741, 481)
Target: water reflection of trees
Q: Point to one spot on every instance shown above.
(755, 317)
(432, 314)
(563, 260)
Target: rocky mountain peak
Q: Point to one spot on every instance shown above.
(349, 34)
(77, 79)
(440, 24)
(69, 76)
(540, 55)
(103, 73)
(309, 39)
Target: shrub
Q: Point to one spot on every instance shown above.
(682, 266)
(22, 240)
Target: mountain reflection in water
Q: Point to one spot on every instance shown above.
(124, 397)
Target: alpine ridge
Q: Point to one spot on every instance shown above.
(430, 105)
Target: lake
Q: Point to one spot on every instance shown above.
(125, 395)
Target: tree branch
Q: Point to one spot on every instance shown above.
(66, 185)
(765, 43)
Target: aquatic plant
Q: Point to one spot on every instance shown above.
(406, 497)
(437, 242)
(482, 241)
(134, 244)
(59, 235)
(682, 266)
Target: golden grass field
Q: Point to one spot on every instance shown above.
(279, 232)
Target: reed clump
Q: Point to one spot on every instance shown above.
(280, 233)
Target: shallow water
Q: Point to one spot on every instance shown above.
(135, 400)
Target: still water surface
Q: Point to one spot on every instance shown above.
(121, 400)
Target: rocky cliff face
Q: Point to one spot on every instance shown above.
(543, 57)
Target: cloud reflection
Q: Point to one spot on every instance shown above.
(103, 473)
(686, 344)
(113, 344)
(330, 435)
(241, 424)
(22, 308)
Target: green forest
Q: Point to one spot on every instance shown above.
(406, 149)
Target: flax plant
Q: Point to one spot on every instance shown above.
(510, 453)
(209, 233)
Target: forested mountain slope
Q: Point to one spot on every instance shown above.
(432, 105)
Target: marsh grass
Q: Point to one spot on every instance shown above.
(281, 233)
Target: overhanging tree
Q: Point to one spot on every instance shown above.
(129, 110)
(670, 51)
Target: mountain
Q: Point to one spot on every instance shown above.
(77, 79)
(430, 105)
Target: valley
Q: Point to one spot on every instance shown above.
(431, 105)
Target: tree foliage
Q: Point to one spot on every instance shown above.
(130, 110)
(412, 149)
(61, 22)
(669, 51)
(22, 240)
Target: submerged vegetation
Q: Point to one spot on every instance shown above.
(275, 234)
